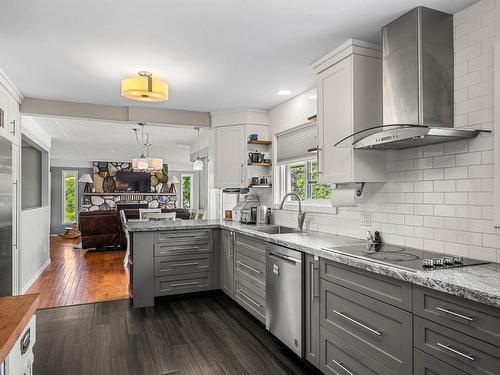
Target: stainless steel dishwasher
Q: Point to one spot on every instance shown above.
(285, 296)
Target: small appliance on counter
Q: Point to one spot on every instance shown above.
(246, 203)
(249, 215)
(262, 215)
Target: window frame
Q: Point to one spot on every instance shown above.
(64, 173)
(191, 192)
(282, 183)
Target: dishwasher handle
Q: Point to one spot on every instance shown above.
(284, 257)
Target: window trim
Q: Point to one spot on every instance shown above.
(308, 205)
(191, 193)
(63, 200)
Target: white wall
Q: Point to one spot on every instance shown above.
(439, 197)
(35, 223)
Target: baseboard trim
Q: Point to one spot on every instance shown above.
(35, 276)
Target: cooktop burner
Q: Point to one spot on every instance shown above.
(404, 257)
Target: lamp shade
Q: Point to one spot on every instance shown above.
(173, 180)
(86, 178)
(144, 88)
(155, 164)
(198, 165)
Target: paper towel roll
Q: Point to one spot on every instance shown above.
(345, 196)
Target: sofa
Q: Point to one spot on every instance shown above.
(103, 229)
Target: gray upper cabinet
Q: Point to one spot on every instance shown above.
(227, 262)
(312, 310)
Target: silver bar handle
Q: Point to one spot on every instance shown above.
(446, 311)
(450, 349)
(2, 118)
(249, 267)
(362, 325)
(185, 264)
(312, 281)
(248, 298)
(341, 365)
(13, 130)
(16, 218)
(284, 257)
(185, 284)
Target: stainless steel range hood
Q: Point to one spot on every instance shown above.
(417, 70)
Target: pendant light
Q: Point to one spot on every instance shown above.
(143, 163)
(144, 88)
(198, 164)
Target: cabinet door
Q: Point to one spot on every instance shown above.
(227, 263)
(335, 122)
(312, 311)
(230, 156)
(4, 114)
(12, 123)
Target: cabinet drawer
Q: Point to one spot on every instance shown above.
(339, 358)
(471, 318)
(459, 350)
(250, 267)
(382, 331)
(256, 246)
(251, 298)
(186, 283)
(178, 264)
(385, 289)
(184, 247)
(425, 364)
(186, 235)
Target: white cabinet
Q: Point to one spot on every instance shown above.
(230, 156)
(349, 100)
(9, 117)
(16, 214)
(20, 358)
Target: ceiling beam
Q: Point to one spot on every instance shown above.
(57, 108)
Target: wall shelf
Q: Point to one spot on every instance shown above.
(261, 164)
(260, 186)
(260, 142)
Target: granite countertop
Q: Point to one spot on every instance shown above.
(480, 283)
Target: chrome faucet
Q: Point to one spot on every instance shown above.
(301, 215)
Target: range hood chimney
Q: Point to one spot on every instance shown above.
(417, 71)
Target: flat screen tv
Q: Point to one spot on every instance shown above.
(133, 182)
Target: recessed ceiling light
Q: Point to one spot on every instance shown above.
(283, 92)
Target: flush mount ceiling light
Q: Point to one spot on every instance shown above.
(283, 92)
(144, 88)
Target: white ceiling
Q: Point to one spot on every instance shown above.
(216, 55)
(77, 141)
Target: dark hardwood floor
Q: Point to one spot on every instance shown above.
(202, 334)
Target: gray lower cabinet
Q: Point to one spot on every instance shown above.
(250, 275)
(425, 364)
(227, 262)
(312, 310)
(183, 283)
(464, 352)
(471, 318)
(380, 330)
(340, 358)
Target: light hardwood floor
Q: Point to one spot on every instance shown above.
(80, 276)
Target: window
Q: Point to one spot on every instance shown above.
(187, 191)
(69, 196)
(297, 170)
(301, 178)
(34, 175)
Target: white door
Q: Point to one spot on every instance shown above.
(230, 156)
(16, 210)
(335, 122)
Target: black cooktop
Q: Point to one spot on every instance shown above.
(405, 257)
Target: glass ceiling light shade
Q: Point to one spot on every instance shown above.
(144, 88)
(198, 164)
(155, 164)
(140, 164)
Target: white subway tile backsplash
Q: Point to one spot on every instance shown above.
(440, 197)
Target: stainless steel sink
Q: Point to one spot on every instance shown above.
(277, 229)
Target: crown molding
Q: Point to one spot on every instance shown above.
(7, 83)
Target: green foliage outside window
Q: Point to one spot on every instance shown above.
(298, 180)
(186, 191)
(319, 191)
(69, 198)
(302, 181)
